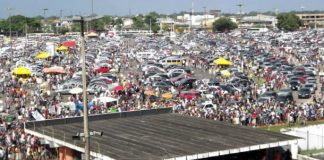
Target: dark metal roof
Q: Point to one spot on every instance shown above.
(157, 136)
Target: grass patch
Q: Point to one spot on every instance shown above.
(277, 128)
(311, 152)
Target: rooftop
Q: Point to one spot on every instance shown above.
(157, 134)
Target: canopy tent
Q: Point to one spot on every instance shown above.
(69, 44)
(22, 71)
(42, 55)
(54, 70)
(223, 61)
(106, 99)
(76, 90)
(92, 34)
(62, 48)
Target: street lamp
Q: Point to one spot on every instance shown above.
(10, 32)
(84, 93)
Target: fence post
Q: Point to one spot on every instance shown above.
(307, 140)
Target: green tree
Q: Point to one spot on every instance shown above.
(224, 24)
(151, 21)
(138, 22)
(288, 21)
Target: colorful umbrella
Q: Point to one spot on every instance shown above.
(62, 48)
(42, 55)
(118, 88)
(223, 61)
(149, 92)
(167, 95)
(69, 43)
(55, 70)
(21, 71)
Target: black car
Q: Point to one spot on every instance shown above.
(304, 93)
(284, 98)
(294, 85)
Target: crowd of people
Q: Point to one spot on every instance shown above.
(26, 99)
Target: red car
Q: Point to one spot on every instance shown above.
(103, 70)
(189, 94)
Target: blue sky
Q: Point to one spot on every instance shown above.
(122, 7)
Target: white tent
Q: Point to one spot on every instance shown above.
(106, 100)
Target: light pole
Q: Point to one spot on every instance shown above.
(84, 94)
(240, 6)
(205, 12)
(10, 32)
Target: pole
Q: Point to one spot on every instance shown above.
(84, 94)
(91, 16)
(150, 25)
(205, 12)
(10, 33)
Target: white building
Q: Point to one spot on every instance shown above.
(196, 21)
(263, 21)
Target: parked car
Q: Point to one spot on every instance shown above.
(304, 93)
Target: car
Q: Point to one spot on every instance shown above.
(269, 95)
(284, 96)
(311, 86)
(191, 94)
(161, 84)
(294, 85)
(304, 93)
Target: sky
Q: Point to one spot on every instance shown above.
(124, 7)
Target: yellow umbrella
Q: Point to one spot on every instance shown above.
(21, 71)
(149, 93)
(225, 73)
(222, 61)
(92, 34)
(42, 55)
(167, 95)
(62, 48)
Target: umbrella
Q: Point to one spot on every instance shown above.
(55, 69)
(167, 95)
(62, 48)
(149, 92)
(222, 61)
(22, 71)
(128, 85)
(92, 34)
(69, 43)
(118, 88)
(42, 55)
(225, 73)
(76, 90)
(102, 70)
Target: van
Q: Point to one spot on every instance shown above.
(171, 61)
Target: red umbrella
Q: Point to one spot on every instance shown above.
(102, 70)
(69, 43)
(118, 88)
(128, 85)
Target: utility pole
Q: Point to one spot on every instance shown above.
(84, 94)
(10, 32)
(91, 15)
(205, 12)
(150, 25)
(44, 13)
(240, 6)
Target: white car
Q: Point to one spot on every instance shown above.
(176, 71)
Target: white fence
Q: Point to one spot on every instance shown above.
(312, 137)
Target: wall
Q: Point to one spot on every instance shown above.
(312, 137)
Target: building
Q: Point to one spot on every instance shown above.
(158, 134)
(313, 20)
(258, 21)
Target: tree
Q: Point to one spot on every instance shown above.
(288, 21)
(138, 22)
(151, 21)
(224, 24)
